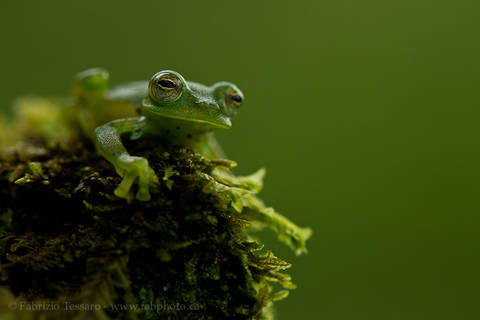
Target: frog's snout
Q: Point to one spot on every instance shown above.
(213, 112)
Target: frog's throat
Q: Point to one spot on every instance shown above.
(156, 116)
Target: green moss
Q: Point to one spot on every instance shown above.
(66, 242)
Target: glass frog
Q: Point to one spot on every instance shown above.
(174, 110)
(178, 112)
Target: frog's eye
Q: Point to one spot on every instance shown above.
(165, 87)
(233, 98)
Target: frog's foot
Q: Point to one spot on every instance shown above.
(134, 169)
(235, 194)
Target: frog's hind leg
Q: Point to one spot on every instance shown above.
(89, 86)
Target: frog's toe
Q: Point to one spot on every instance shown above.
(143, 195)
(123, 188)
(146, 180)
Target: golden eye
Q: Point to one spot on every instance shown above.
(167, 84)
(233, 97)
(165, 87)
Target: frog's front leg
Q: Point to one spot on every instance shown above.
(131, 168)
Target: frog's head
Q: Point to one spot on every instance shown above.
(169, 95)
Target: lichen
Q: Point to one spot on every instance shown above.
(68, 244)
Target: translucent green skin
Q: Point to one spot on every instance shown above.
(104, 115)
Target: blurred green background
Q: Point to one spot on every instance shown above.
(365, 114)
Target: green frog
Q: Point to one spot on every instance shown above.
(177, 112)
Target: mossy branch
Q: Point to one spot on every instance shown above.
(186, 254)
